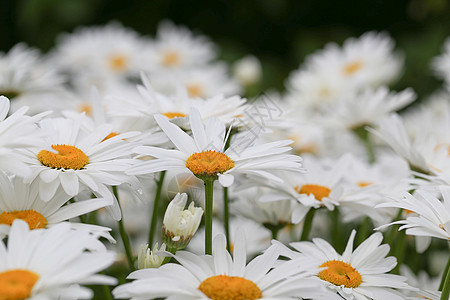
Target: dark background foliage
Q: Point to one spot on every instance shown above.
(280, 32)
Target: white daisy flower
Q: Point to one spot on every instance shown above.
(321, 186)
(204, 155)
(51, 264)
(368, 61)
(360, 274)
(26, 77)
(201, 82)
(433, 215)
(149, 258)
(19, 200)
(366, 108)
(74, 160)
(428, 285)
(16, 131)
(109, 51)
(247, 70)
(175, 107)
(176, 47)
(222, 277)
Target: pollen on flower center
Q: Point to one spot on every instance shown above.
(68, 157)
(171, 59)
(17, 284)
(224, 287)
(364, 183)
(340, 273)
(353, 67)
(172, 115)
(118, 62)
(34, 219)
(209, 162)
(318, 191)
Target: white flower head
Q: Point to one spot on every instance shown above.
(149, 258)
(247, 70)
(180, 224)
(51, 263)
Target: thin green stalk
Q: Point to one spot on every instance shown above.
(364, 230)
(335, 228)
(399, 250)
(394, 230)
(107, 292)
(209, 190)
(307, 224)
(364, 136)
(445, 275)
(167, 259)
(226, 217)
(445, 282)
(154, 221)
(124, 235)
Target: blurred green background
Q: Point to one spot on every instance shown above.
(279, 32)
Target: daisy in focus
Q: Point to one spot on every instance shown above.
(432, 216)
(19, 200)
(51, 264)
(203, 154)
(360, 274)
(76, 160)
(222, 277)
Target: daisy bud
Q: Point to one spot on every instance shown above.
(180, 224)
(148, 258)
(247, 70)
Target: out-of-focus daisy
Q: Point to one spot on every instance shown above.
(359, 274)
(222, 277)
(441, 63)
(70, 158)
(204, 155)
(26, 77)
(19, 200)
(51, 264)
(175, 47)
(202, 82)
(110, 51)
(432, 216)
(369, 60)
(320, 186)
(16, 131)
(428, 285)
(247, 70)
(367, 107)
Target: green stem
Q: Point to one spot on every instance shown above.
(364, 136)
(335, 228)
(307, 225)
(167, 259)
(226, 217)
(154, 221)
(275, 228)
(445, 275)
(445, 282)
(364, 230)
(209, 190)
(107, 292)
(124, 235)
(394, 230)
(400, 248)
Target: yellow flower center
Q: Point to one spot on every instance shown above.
(340, 273)
(353, 67)
(364, 183)
(112, 134)
(209, 162)
(171, 59)
(86, 108)
(172, 115)
(224, 287)
(118, 62)
(17, 284)
(318, 191)
(195, 90)
(34, 219)
(68, 157)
